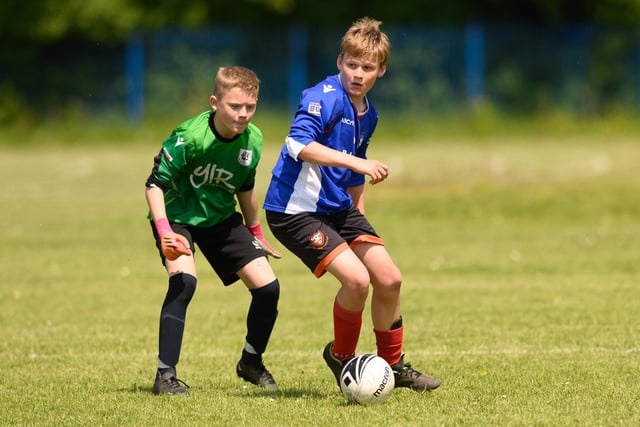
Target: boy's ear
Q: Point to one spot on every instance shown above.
(382, 71)
(213, 101)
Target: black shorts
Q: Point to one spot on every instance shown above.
(228, 246)
(318, 238)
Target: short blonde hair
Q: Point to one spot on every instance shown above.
(365, 39)
(236, 76)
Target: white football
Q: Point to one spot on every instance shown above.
(367, 379)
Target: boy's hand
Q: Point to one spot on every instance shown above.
(174, 245)
(256, 230)
(375, 169)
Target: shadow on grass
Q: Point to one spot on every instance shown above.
(137, 388)
(286, 393)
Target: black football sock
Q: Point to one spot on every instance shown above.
(262, 315)
(172, 317)
(251, 358)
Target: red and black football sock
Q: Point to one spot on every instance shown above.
(346, 330)
(389, 343)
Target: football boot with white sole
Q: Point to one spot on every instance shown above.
(408, 377)
(168, 383)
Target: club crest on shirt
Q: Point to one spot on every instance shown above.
(314, 108)
(318, 240)
(245, 156)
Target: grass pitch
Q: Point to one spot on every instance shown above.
(520, 262)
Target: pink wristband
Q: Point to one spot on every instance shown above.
(256, 230)
(162, 226)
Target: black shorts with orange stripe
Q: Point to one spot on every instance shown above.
(318, 238)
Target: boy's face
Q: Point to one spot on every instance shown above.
(358, 75)
(234, 111)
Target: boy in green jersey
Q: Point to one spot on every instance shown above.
(206, 165)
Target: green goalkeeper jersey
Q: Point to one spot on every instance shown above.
(200, 172)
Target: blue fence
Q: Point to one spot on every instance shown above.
(581, 69)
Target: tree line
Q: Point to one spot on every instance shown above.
(111, 21)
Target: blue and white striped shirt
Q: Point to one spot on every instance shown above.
(327, 116)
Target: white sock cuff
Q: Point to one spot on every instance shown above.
(249, 348)
(162, 365)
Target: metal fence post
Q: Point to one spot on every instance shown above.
(298, 64)
(135, 77)
(638, 71)
(474, 63)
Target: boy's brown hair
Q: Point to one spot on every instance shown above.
(365, 39)
(236, 76)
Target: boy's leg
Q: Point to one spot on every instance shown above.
(348, 306)
(172, 319)
(346, 331)
(182, 286)
(349, 302)
(261, 318)
(386, 280)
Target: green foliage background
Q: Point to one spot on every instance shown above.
(114, 20)
(62, 59)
